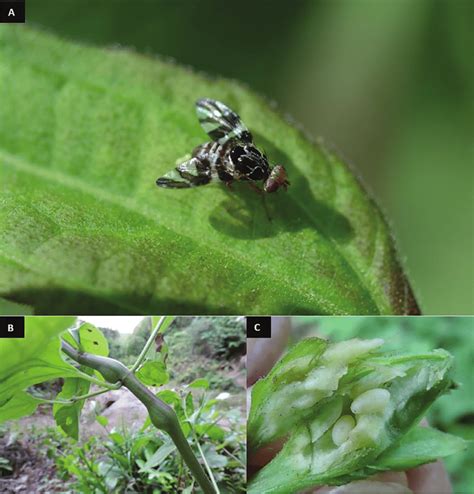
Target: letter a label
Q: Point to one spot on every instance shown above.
(12, 11)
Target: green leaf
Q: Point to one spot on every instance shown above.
(84, 133)
(92, 340)
(18, 405)
(421, 445)
(215, 432)
(117, 438)
(103, 421)
(35, 358)
(199, 383)
(165, 324)
(8, 308)
(213, 458)
(158, 457)
(71, 336)
(67, 415)
(153, 374)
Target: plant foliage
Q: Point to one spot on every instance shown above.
(84, 133)
(54, 347)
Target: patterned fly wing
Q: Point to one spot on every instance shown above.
(190, 173)
(220, 123)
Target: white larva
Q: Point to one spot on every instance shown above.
(342, 428)
(372, 401)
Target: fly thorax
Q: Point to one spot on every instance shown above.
(249, 162)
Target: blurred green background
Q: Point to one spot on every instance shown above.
(454, 412)
(388, 84)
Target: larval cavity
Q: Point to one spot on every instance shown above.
(372, 401)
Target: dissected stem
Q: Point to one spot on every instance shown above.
(161, 414)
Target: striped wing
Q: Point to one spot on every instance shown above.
(220, 123)
(189, 173)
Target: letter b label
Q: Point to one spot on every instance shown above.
(12, 327)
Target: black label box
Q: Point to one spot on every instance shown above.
(12, 327)
(12, 11)
(259, 327)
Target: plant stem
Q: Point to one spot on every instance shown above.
(74, 399)
(208, 468)
(209, 471)
(161, 414)
(98, 382)
(148, 344)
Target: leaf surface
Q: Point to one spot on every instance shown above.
(67, 415)
(30, 360)
(92, 340)
(85, 132)
(18, 405)
(8, 308)
(421, 445)
(153, 373)
(35, 358)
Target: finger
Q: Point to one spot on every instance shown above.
(367, 487)
(429, 479)
(258, 459)
(391, 478)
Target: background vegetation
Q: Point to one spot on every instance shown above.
(118, 450)
(389, 84)
(452, 413)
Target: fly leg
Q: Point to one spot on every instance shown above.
(262, 195)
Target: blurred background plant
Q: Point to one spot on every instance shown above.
(453, 412)
(388, 84)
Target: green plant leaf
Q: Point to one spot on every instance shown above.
(199, 383)
(212, 430)
(67, 415)
(35, 358)
(92, 340)
(18, 405)
(153, 373)
(103, 421)
(165, 324)
(421, 445)
(8, 308)
(85, 132)
(213, 458)
(158, 457)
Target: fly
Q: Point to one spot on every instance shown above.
(230, 155)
